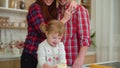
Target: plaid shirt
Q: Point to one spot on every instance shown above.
(77, 32)
(34, 36)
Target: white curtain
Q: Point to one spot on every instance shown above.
(78, 1)
(107, 18)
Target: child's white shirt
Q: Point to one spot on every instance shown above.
(51, 55)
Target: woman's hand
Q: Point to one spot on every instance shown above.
(68, 12)
(73, 5)
(20, 45)
(67, 16)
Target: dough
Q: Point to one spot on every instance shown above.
(62, 65)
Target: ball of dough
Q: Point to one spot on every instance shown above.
(62, 65)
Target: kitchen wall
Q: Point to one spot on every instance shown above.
(107, 18)
(116, 30)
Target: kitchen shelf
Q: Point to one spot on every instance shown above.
(11, 27)
(13, 10)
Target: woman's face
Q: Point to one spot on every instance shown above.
(48, 2)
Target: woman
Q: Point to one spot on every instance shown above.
(40, 11)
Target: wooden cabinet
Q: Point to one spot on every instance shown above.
(10, 63)
(87, 4)
(12, 13)
(6, 64)
(90, 59)
(17, 63)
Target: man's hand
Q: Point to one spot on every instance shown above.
(78, 63)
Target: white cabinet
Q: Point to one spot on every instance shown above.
(13, 10)
(7, 28)
(5, 6)
(17, 16)
(16, 4)
(4, 3)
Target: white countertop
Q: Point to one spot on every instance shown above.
(10, 56)
(84, 66)
(91, 53)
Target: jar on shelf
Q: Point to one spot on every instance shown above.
(22, 4)
(4, 3)
(13, 4)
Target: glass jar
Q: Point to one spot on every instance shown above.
(13, 4)
(22, 4)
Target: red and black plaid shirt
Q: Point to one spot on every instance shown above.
(77, 32)
(34, 36)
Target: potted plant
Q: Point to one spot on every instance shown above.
(93, 42)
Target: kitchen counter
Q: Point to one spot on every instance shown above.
(113, 64)
(10, 56)
(91, 53)
(10, 60)
(84, 66)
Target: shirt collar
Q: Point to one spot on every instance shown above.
(66, 6)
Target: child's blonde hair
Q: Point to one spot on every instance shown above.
(53, 26)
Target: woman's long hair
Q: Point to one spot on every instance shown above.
(49, 12)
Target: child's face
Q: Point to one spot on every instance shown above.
(53, 39)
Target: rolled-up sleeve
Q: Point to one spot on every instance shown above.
(83, 27)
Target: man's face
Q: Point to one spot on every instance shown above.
(63, 2)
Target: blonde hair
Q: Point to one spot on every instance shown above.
(53, 26)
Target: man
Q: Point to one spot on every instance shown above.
(77, 36)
